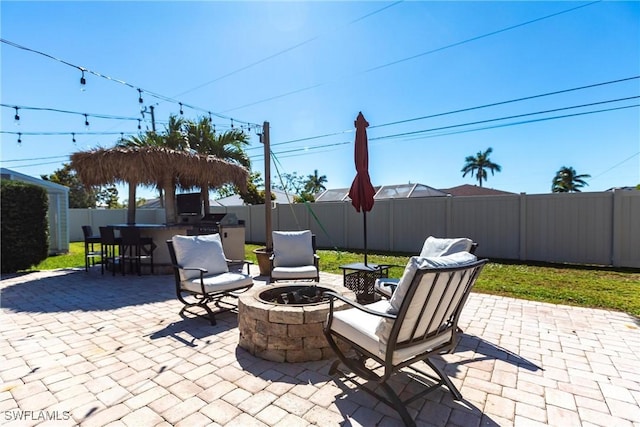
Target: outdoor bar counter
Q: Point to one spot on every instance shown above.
(159, 233)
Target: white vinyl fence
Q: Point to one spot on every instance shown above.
(585, 228)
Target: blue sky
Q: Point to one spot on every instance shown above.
(308, 68)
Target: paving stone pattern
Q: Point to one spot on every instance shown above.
(84, 349)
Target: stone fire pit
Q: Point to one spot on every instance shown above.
(286, 332)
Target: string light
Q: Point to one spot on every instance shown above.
(19, 138)
(73, 138)
(121, 136)
(231, 123)
(86, 121)
(140, 100)
(16, 118)
(210, 119)
(214, 129)
(181, 112)
(83, 82)
(139, 126)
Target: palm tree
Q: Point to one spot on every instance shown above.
(567, 180)
(315, 183)
(479, 164)
(225, 146)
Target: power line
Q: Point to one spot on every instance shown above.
(413, 56)
(32, 159)
(493, 33)
(289, 49)
(494, 104)
(420, 134)
(526, 98)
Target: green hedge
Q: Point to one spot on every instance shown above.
(24, 225)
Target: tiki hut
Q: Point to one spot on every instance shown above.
(155, 166)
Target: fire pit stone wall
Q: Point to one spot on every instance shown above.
(286, 333)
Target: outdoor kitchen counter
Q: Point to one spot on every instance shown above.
(159, 233)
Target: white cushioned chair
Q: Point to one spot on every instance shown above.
(418, 322)
(202, 273)
(432, 247)
(294, 256)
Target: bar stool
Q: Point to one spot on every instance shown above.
(90, 253)
(111, 249)
(135, 249)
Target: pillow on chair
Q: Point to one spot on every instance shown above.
(421, 263)
(417, 263)
(200, 251)
(435, 246)
(292, 248)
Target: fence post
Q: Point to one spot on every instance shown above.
(523, 227)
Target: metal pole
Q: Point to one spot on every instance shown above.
(267, 186)
(364, 217)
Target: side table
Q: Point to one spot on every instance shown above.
(361, 278)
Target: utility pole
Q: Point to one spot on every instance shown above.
(267, 186)
(153, 116)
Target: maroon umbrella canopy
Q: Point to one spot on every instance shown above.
(361, 191)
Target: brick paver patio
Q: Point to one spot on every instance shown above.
(79, 348)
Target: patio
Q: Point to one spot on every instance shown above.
(81, 348)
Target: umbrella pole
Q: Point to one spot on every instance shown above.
(364, 217)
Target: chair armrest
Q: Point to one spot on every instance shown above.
(360, 307)
(241, 262)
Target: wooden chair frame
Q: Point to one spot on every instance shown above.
(450, 302)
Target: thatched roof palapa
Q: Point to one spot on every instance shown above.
(159, 166)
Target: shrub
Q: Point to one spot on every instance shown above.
(24, 225)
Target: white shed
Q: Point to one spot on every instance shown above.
(58, 209)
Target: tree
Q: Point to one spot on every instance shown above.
(79, 195)
(567, 180)
(228, 145)
(479, 164)
(315, 183)
(108, 197)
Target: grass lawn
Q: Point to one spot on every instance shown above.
(585, 286)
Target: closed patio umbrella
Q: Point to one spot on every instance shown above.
(361, 191)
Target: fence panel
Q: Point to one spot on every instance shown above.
(585, 228)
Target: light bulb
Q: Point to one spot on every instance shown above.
(16, 118)
(139, 126)
(181, 112)
(19, 138)
(73, 137)
(83, 82)
(140, 100)
(86, 122)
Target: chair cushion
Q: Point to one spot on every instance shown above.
(292, 248)
(435, 246)
(385, 286)
(304, 272)
(361, 328)
(228, 281)
(417, 263)
(454, 260)
(200, 252)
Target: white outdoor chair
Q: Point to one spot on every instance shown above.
(418, 322)
(202, 274)
(294, 256)
(432, 247)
